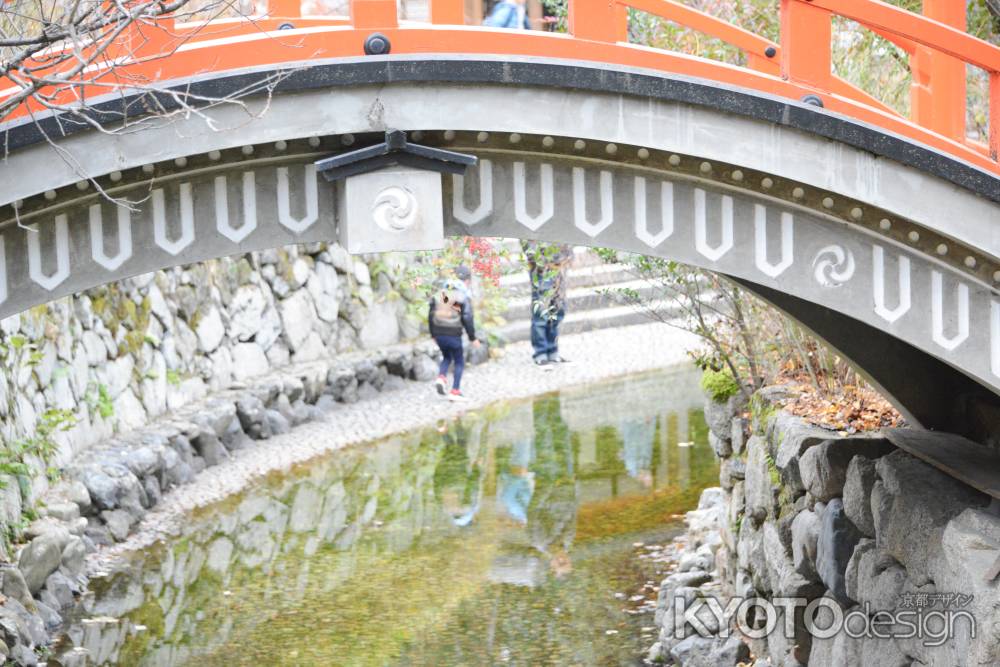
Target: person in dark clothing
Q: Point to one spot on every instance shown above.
(547, 264)
(449, 313)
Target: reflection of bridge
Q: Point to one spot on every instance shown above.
(875, 230)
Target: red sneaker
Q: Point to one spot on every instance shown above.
(440, 384)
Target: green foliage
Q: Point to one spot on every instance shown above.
(16, 456)
(378, 267)
(19, 351)
(698, 301)
(103, 403)
(173, 378)
(720, 385)
(761, 413)
(772, 471)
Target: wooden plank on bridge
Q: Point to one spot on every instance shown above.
(969, 462)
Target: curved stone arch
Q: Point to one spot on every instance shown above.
(599, 103)
(823, 262)
(782, 208)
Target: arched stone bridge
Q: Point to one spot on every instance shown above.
(877, 232)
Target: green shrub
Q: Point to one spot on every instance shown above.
(720, 385)
(104, 403)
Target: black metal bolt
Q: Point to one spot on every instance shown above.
(770, 52)
(813, 100)
(395, 139)
(377, 44)
(286, 26)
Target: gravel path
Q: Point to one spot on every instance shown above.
(595, 356)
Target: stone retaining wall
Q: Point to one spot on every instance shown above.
(137, 385)
(107, 489)
(805, 512)
(117, 357)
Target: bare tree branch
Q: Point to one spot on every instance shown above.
(58, 58)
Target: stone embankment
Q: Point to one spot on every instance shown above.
(806, 513)
(109, 488)
(119, 356)
(130, 389)
(696, 576)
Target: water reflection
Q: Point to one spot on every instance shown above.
(538, 490)
(500, 538)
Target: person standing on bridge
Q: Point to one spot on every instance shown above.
(547, 264)
(449, 312)
(510, 14)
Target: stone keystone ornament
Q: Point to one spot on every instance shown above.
(389, 195)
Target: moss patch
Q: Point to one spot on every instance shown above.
(719, 385)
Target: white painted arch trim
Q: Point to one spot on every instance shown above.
(547, 195)
(186, 215)
(725, 244)
(97, 249)
(641, 215)
(786, 229)
(49, 281)
(285, 217)
(961, 291)
(485, 205)
(606, 205)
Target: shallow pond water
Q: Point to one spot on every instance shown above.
(510, 536)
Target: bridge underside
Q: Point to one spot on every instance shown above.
(891, 256)
(928, 392)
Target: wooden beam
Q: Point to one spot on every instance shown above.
(474, 12)
(960, 458)
(937, 94)
(598, 20)
(371, 14)
(535, 14)
(805, 44)
(447, 12)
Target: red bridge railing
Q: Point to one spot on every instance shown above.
(936, 41)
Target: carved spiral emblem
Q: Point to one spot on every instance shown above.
(395, 209)
(833, 266)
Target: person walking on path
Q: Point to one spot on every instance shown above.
(449, 312)
(547, 264)
(510, 14)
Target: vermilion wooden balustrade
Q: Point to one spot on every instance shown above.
(938, 46)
